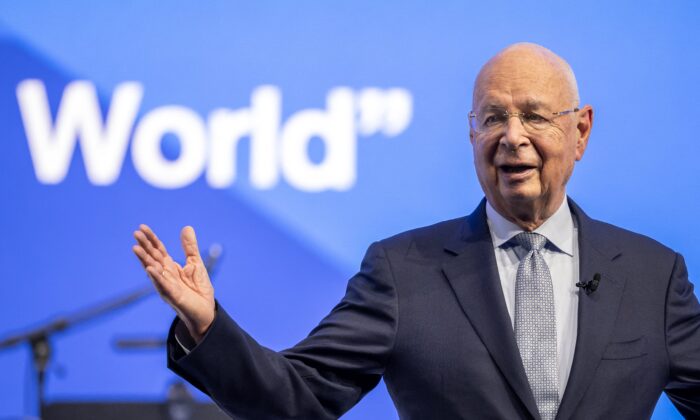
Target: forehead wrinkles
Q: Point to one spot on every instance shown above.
(531, 91)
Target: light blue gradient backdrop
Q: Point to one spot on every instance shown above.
(65, 246)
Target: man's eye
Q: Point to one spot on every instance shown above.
(494, 119)
(531, 117)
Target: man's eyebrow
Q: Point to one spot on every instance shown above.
(491, 107)
(532, 103)
(527, 104)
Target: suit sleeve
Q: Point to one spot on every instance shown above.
(322, 377)
(683, 342)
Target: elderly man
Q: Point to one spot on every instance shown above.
(526, 308)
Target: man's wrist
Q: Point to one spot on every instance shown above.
(197, 330)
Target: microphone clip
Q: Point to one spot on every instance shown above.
(591, 285)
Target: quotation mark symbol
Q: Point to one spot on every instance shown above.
(388, 111)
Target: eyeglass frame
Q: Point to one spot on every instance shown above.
(508, 115)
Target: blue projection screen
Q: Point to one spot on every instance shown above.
(297, 132)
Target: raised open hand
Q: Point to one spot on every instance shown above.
(187, 289)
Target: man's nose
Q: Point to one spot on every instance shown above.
(514, 135)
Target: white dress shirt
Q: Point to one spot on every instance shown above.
(561, 255)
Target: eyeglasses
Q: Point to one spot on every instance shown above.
(495, 121)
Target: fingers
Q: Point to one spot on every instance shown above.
(189, 243)
(145, 259)
(153, 238)
(151, 244)
(160, 276)
(151, 251)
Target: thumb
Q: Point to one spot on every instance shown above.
(189, 242)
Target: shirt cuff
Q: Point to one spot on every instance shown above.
(183, 337)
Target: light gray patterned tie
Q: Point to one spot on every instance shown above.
(535, 324)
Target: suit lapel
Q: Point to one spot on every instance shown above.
(597, 311)
(473, 275)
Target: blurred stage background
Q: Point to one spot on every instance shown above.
(352, 118)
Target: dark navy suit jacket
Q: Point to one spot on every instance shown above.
(426, 312)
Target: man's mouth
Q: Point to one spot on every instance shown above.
(516, 169)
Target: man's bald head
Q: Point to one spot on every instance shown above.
(528, 61)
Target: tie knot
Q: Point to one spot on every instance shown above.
(530, 241)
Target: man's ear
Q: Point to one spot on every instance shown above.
(583, 130)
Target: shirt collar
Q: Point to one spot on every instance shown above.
(558, 229)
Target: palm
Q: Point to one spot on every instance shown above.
(187, 289)
(191, 286)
